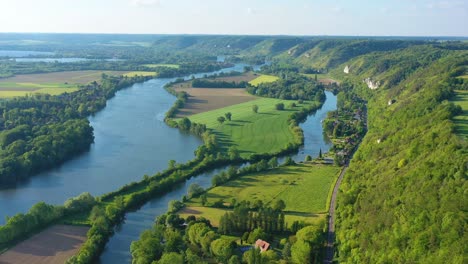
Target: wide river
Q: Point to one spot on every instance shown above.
(118, 248)
(131, 140)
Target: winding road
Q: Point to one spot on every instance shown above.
(329, 251)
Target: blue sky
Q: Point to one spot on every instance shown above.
(288, 17)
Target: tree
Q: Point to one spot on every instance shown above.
(255, 108)
(320, 154)
(233, 153)
(279, 106)
(175, 205)
(171, 258)
(194, 189)
(223, 249)
(204, 199)
(279, 205)
(289, 161)
(184, 124)
(228, 116)
(301, 252)
(172, 164)
(273, 162)
(221, 119)
(308, 158)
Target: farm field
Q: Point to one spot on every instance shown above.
(264, 132)
(205, 99)
(139, 73)
(303, 187)
(461, 121)
(263, 79)
(51, 83)
(175, 66)
(52, 246)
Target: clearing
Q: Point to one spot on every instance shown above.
(205, 99)
(53, 245)
(264, 132)
(461, 121)
(263, 79)
(304, 188)
(52, 83)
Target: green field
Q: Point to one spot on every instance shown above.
(139, 73)
(303, 187)
(263, 79)
(461, 121)
(264, 132)
(9, 90)
(174, 66)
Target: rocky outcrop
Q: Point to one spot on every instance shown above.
(346, 69)
(372, 84)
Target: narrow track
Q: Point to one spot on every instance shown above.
(329, 250)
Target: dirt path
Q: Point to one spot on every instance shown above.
(329, 251)
(52, 246)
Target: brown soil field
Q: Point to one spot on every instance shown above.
(52, 246)
(71, 77)
(206, 99)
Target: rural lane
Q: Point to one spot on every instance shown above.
(329, 251)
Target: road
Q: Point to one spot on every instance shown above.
(329, 251)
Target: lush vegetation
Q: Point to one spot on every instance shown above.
(238, 229)
(291, 87)
(401, 199)
(204, 83)
(461, 120)
(303, 188)
(265, 131)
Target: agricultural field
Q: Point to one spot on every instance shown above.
(304, 188)
(264, 132)
(205, 99)
(54, 245)
(321, 77)
(461, 121)
(139, 73)
(174, 66)
(263, 79)
(51, 83)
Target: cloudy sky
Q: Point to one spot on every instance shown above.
(288, 17)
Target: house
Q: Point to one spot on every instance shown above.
(263, 245)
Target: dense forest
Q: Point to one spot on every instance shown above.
(402, 197)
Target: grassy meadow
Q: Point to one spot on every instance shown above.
(54, 83)
(263, 79)
(461, 121)
(303, 187)
(263, 132)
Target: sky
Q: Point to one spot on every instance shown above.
(239, 17)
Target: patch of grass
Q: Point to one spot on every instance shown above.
(461, 121)
(264, 132)
(174, 66)
(303, 187)
(263, 79)
(139, 73)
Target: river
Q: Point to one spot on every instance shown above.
(118, 248)
(131, 140)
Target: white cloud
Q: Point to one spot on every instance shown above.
(146, 3)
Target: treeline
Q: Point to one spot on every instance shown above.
(194, 240)
(291, 86)
(41, 131)
(204, 83)
(400, 201)
(348, 124)
(39, 216)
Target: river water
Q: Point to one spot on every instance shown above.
(118, 248)
(131, 140)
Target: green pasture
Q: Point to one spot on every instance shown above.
(9, 90)
(264, 132)
(263, 79)
(304, 188)
(139, 73)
